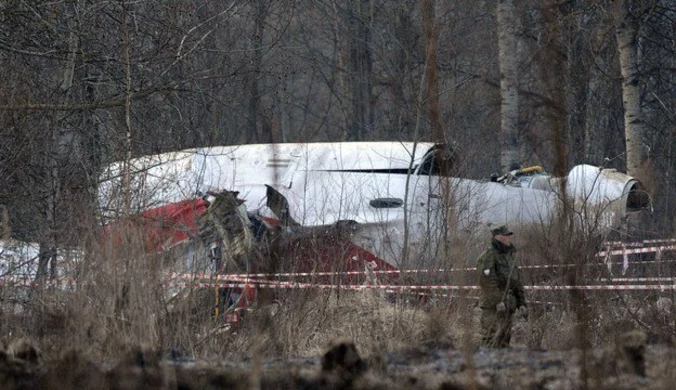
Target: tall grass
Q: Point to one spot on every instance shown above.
(119, 302)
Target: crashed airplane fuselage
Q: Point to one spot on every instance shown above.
(392, 195)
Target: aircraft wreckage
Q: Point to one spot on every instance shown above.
(386, 204)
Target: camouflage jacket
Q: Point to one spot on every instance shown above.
(499, 278)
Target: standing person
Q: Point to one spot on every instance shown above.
(501, 289)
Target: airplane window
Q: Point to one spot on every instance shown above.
(439, 160)
(386, 203)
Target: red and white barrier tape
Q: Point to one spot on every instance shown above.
(250, 280)
(221, 277)
(659, 240)
(637, 280)
(395, 288)
(637, 243)
(661, 287)
(234, 283)
(625, 251)
(246, 278)
(389, 288)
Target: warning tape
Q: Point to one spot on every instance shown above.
(637, 280)
(212, 279)
(389, 288)
(395, 288)
(625, 251)
(320, 286)
(202, 278)
(323, 273)
(657, 241)
(637, 243)
(221, 277)
(247, 278)
(660, 287)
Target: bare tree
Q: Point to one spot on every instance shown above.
(207, 73)
(509, 88)
(627, 16)
(360, 19)
(431, 74)
(602, 93)
(576, 26)
(260, 10)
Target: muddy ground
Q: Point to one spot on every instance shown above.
(424, 367)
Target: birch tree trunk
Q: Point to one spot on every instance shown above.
(626, 31)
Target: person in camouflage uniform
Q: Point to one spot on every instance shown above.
(501, 289)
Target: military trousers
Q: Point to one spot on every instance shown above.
(496, 328)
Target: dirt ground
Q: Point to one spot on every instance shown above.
(357, 342)
(423, 367)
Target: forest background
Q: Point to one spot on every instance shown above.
(89, 82)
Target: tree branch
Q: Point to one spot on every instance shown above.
(84, 106)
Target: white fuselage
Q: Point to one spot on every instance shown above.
(382, 186)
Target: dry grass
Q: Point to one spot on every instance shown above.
(303, 325)
(120, 304)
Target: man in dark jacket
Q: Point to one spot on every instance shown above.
(501, 289)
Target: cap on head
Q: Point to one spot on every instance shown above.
(502, 231)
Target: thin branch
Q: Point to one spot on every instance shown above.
(84, 106)
(179, 52)
(47, 54)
